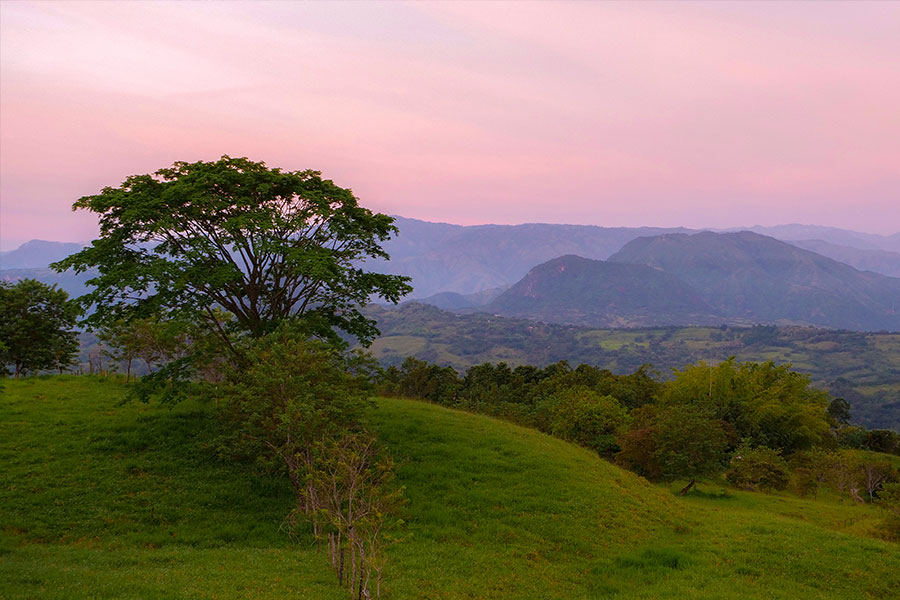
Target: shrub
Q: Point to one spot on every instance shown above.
(581, 415)
(889, 499)
(638, 453)
(758, 468)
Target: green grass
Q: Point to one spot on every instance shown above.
(105, 501)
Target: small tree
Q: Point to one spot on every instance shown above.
(689, 444)
(352, 501)
(638, 453)
(845, 473)
(883, 440)
(295, 405)
(291, 394)
(889, 500)
(680, 441)
(758, 468)
(36, 327)
(874, 474)
(585, 417)
(839, 411)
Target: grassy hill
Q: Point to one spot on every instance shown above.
(99, 500)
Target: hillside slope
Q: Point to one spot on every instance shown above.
(753, 277)
(877, 261)
(580, 291)
(99, 500)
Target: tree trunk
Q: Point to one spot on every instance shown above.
(686, 488)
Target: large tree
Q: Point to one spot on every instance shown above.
(36, 327)
(263, 244)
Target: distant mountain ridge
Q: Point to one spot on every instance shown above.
(750, 276)
(467, 259)
(832, 235)
(37, 254)
(877, 261)
(464, 259)
(464, 267)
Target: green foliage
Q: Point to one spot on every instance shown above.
(851, 436)
(758, 468)
(889, 500)
(638, 453)
(36, 327)
(352, 498)
(419, 379)
(263, 244)
(295, 404)
(689, 443)
(839, 411)
(769, 405)
(859, 367)
(882, 440)
(290, 394)
(581, 415)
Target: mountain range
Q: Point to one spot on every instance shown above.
(704, 278)
(748, 276)
(620, 276)
(466, 259)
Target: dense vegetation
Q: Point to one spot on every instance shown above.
(757, 414)
(36, 328)
(863, 368)
(104, 500)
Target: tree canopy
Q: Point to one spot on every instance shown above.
(36, 327)
(263, 244)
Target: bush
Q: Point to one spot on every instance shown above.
(581, 415)
(758, 468)
(638, 453)
(889, 499)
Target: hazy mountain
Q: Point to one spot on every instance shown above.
(448, 301)
(748, 276)
(36, 254)
(466, 259)
(71, 282)
(878, 261)
(454, 301)
(580, 291)
(832, 235)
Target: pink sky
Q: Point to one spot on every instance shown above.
(702, 115)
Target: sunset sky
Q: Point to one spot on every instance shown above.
(693, 114)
